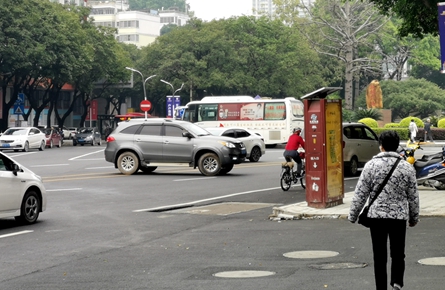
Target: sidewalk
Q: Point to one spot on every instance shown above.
(432, 203)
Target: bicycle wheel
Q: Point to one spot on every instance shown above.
(286, 181)
(303, 179)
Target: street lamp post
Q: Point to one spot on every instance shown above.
(173, 89)
(143, 83)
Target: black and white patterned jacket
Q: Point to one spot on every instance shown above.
(399, 198)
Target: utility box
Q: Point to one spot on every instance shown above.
(323, 134)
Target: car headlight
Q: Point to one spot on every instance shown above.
(227, 144)
(88, 138)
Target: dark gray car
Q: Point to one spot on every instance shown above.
(89, 135)
(140, 144)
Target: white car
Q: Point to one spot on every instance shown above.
(22, 193)
(254, 143)
(22, 138)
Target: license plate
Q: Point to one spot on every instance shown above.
(80, 140)
(6, 145)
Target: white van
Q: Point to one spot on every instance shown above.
(22, 194)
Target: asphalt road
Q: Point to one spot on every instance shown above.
(177, 229)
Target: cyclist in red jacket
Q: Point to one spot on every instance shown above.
(290, 151)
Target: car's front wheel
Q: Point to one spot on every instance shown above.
(30, 209)
(51, 144)
(209, 164)
(26, 147)
(60, 143)
(128, 163)
(255, 154)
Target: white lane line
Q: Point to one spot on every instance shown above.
(93, 159)
(15, 234)
(200, 178)
(64, 189)
(204, 200)
(21, 154)
(104, 167)
(47, 165)
(80, 156)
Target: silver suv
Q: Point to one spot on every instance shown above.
(360, 145)
(140, 144)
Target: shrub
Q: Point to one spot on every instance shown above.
(441, 123)
(404, 123)
(368, 113)
(391, 125)
(369, 122)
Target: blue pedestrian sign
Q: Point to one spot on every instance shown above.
(19, 105)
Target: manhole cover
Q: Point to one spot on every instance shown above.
(336, 266)
(310, 254)
(243, 274)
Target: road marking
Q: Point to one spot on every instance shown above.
(93, 159)
(64, 189)
(80, 156)
(203, 200)
(104, 167)
(49, 165)
(201, 178)
(15, 234)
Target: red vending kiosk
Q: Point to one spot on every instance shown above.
(324, 149)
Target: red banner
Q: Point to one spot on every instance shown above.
(92, 111)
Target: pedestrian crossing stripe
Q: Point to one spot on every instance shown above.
(18, 111)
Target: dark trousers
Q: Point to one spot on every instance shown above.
(381, 229)
(295, 156)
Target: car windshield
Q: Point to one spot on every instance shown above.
(15, 131)
(86, 130)
(195, 129)
(47, 131)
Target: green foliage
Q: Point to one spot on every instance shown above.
(419, 18)
(404, 123)
(402, 132)
(348, 115)
(369, 122)
(156, 4)
(369, 113)
(412, 97)
(167, 28)
(441, 123)
(391, 125)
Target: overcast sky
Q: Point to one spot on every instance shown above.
(216, 9)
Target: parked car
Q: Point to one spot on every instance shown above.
(360, 145)
(65, 130)
(87, 135)
(72, 132)
(52, 137)
(23, 138)
(140, 144)
(22, 193)
(254, 143)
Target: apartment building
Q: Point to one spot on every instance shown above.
(267, 8)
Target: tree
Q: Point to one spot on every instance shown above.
(340, 29)
(235, 56)
(419, 17)
(157, 4)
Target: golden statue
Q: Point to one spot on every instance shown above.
(374, 99)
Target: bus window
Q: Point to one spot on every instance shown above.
(207, 112)
(275, 111)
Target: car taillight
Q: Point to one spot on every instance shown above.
(110, 139)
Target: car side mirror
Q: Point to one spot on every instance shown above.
(15, 169)
(187, 134)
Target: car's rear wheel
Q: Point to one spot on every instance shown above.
(60, 143)
(30, 208)
(51, 144)
(148, 169)
(42, 145)
(226, 169)
(353, 166)
(74, 143)
(128, 163)
(255, 154)
(26, 147)
(209, 164)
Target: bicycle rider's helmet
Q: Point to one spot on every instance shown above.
(296, 129)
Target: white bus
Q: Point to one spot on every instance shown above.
(274, 119)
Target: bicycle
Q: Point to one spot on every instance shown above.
(289, 175)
